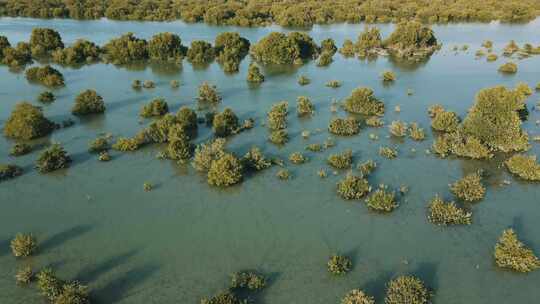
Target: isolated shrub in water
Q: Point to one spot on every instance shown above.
(297, 158)
(398, 128)
(46, 97)
(166, 46)
(492, 57)
(353, 187)
(333, 84)
(347, 49)
(225, 297)
(388, 152)
(200, 52)
(148, 84)
(46, 75)
(303, 80)
(367, 167)
(247, 280)
(27, 122)
(357, 296)
(469, 188)
(156, 107)
(278, 48)
(231, 48)
(406, 289)
(254, 73)
(415, 132)
(225, 123)
(524, 166)
(9, 171)
(19, 149)
(73, 293)
(382, 201)
(277, 116)
(341, 160)
(44, 40)
(53, 158)
(328, 45)
(187, 119)
(512, 254)
(208, 94)
(363, 101)
(388, 76)
(344, 126)
(279, 137)
(304, 106)
(508, 68)
(98, 145)
(338, 264)
(225, 171)
(88, 102)
(24, 275)
(23, 245)
(325, 59)
(411, 38)
(447, 213)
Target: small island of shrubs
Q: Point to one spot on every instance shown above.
(27, 122)
(46, 75)
(512, 254)
(88, 102)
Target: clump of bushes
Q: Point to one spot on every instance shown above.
(46, 97)
(363, 101)
(524, 166)
(406, 289)
(339, 265)
(277, 116)
(344, 126)
(104, 156)
(388, 152)
(254, 74)
(225, 123)
(444, 121)
(461, 145)
(367, 167)
(19, 149)
(73, 293)
(303, 80)
(24, 275)
(166, 46)
(225, 171)
(186, 118)
(27, 122)
(328, 45)
(398, 128)
(347, 49)
(255, 160)
(279, 137)
(230, 50)
(127, 144)
(469, 188)
(411, 39)
(504, 133)
(512, 254)
(247, 280)
(201, 52)
(374, 121)
(48, 284)
(357, 296)
(225, 297)
(388, 76)
(304, 106)
(492, 57)
(279, 48)
(53, 158)
(88, 102)
(369, 42)
(43, 41)
(508, 68)
(447, 213)
(148, 84)
(325, 59)
(353, 187)
(156, 107)
(208, 152)
(82, 51)
(16, 57)
(136, 84)
(9, 171)
(382, 200)
(283, 174)
(23, 245)
(175, 84)
(126, 49)
(341, 160)
(178, 148)
(46, 75)
(208, 94)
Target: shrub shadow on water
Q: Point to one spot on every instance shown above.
(377, 287)
(112, 106)
(93, 272)
(427, 272)
(4, 247)
(119, 288)
(64, 236)
(523, 235)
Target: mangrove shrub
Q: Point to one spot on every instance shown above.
(27, 122)
(46, 75)
(512, 254)
(363, 101)
(88, 102)
(156, 107)
(53, 158)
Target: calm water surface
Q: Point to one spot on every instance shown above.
(181, 241)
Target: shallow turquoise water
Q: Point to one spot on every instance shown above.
(181, 241)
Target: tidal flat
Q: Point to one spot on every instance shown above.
(94, 221)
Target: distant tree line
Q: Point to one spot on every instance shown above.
(282, 12)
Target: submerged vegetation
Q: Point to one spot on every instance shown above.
(524, 166)
(447, 213)
(469, 188)
(157, 107)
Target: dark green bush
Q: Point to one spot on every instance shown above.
(166, 46)
(338, 264)
(369, 42)
(81, 52)
(411, 39)
(24, 275)
(225, 123)
(348, 48)
(88, 102)
(19, 149)
(200, 52)
(382, 200)
(48, 284)
(225, 171)
(444, 121)
(325, 59)
(179, 147)
(303, 80)
(98, 145)
(208, 94)
(225, 297)
(363, 101)
(73, 293)
(53, 158)
(126, 49)
(304, 106)
(46, 97)
(46, 75)
(255, 160)
(230, 50)
(406, 289)
(156, 107)
(247, 280)
(277, 116)
(27, 122)
(186, 118)
(254, 74)
(16, 57)
(278, 48)
(206, 153)
(43, 41)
